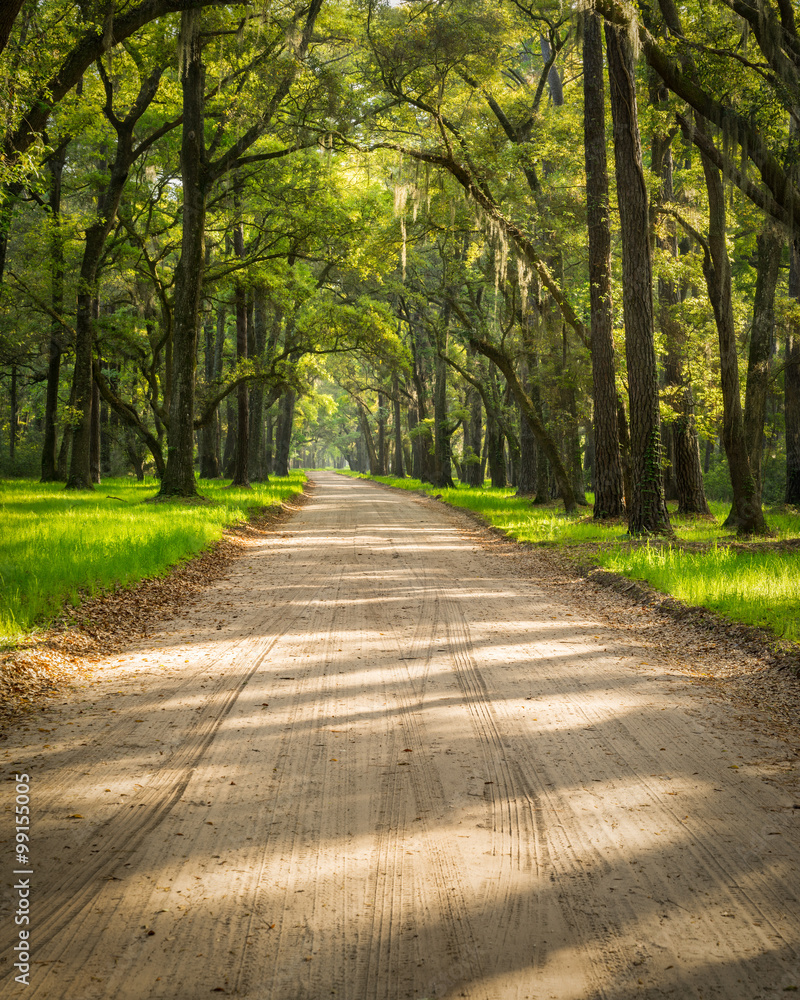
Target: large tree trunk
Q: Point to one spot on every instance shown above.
(647, 513)
(179, 478)
(49, 450)
(791, 389)
(762, 346)
(608, 482)
(8, 13)
(746, 514)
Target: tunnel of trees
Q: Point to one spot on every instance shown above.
(552, 247)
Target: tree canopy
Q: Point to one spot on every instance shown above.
(553, 247)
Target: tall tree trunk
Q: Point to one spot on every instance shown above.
(399, 470)
(8, 14)
(496, 452)
(229, 454)
(746, 514)
(209, 432)
(608, 482)
(369, 442)
(96, 445)
(269, 438)
(528, 464)
(179, 478)
(49, 452)
(13, 428)
(472, 468)
(685, 451)
(416, 442)
(791, 388)
(283, 437)
(647, 513)
(443, 477)
(80, 473)
(382, 452)
(762, 346)
(65, 447)
(241, 470)
(257, 346)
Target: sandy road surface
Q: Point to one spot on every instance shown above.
(372, 764)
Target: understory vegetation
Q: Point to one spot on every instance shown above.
(704, 565)
(56, 549)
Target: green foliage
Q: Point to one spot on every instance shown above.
(57, 547)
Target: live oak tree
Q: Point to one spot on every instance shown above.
(494, 266)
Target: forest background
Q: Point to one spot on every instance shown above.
(552, 246)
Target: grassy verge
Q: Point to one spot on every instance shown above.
(56, 546)
(757, 583)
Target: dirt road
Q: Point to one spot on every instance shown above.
(373, 764)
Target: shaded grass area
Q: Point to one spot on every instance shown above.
(757, 583)
(58, 547)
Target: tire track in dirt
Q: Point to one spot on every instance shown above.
(123, 834)
(411, 774)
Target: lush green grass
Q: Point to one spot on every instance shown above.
(756, 585)
(758, 588)
(56, 546)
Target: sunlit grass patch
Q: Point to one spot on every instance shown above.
(56, 546)
(758, 588)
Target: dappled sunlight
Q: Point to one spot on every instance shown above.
(386, 768)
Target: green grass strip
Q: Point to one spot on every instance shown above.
(57, 546)
(757, 588)
(760, 588)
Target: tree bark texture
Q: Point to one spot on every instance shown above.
(526, 478)
(746, 514)
(442, 431)
(762, 346)
(369, 441)
(647, 513)
(791, 389)
(95, 446)
(179, 478)
(473, 434)
(283, 436)
(399, 469)
(609, 498)
(209, 432)
(241, 469)
(49, 449)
